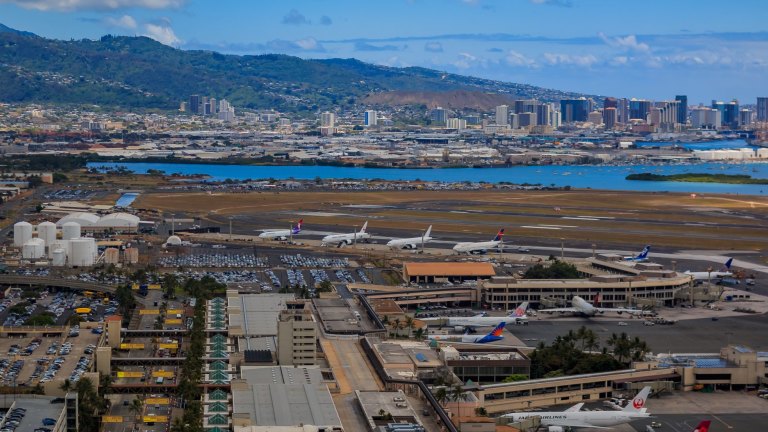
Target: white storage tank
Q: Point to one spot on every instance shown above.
(22, 233)
(47, 232)
(70, 231)
(59, 258)
(57, 244)
(33, 249)
(82, 252)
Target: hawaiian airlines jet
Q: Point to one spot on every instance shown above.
(643, 256)
(583, 307)
(702, 276)
(410, 243)
(479, 247)
(347, 239)
(574, 417)
(518, 316)
(282, 234)
(495, 335)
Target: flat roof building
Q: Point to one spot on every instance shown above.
(435, 272)
(254, 314)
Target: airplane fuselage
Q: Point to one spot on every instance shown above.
(477, 247)
(346, 238)
(409, 243)
(582, 419)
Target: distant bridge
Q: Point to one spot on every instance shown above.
(31, 281)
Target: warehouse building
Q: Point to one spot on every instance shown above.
(441, 272)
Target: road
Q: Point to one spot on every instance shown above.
(352, 372)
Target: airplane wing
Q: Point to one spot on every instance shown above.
(560, 310)
(575, 408)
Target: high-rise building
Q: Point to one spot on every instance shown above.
(296, 335)
(223, 105)
(438, 115)
(682, 110)
(574, 110)
(327, 119)
(201, 108)
(194, 104)
(526, 119)
(610, 102)
(513, 121)
(622, 111)
(183, 107)
(212, 101)
(705, 118)
(729, 112)
(526, 106)
(762, 109)
(609, 117)
(502, 115)
(639, 109)
(370, 118)
(595, 117)
(544, 114)
(746, 117)
(455, 123)
(654, 117)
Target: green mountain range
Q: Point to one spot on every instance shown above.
(138, 72)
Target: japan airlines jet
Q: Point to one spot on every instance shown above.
(643, 256)
(410, 243)
(518, 316)
(479, 247)
(581, 306)
(282, 234)
(702, 276)
(703, 426)
(347, 239)
(495, 335)
(574, 417)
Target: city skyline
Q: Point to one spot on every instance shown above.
(693, 48)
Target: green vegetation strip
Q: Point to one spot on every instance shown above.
(699, 178)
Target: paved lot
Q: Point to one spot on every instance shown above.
(691, 336)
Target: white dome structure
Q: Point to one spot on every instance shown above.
(173, 241)
(70, 231)
(118, 220)
(83, 219)
(22, 233)
(33, 249)
(47, 232)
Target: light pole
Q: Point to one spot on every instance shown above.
(290, 231)
(562, 249)
(594, 254)
(354, 236)
(230, 228)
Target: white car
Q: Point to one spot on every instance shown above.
(622, 324)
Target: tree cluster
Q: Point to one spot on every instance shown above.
(556, 270)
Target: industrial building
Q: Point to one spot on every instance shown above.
(283, 396)
(440, 272)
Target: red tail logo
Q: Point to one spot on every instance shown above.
(703, 426)
(638, 403)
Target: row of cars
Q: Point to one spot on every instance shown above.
(299, 260)
(13, 419)
(9, 372)
(215, 260)
(295, 277)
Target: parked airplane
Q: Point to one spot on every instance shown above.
(574, 417)
(581, 306)
(479, 247)
(495, 335)
(642, 256)
(348, 239)
(703, 426)
(702, 276)
(410, 243)
(282, 234)
(517, 316)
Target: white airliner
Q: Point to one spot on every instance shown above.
(642, 256)
(702, 276)
(517, 316)
(574, 417)
(581, 306)
(282, 234)
(495, 335)
(479, 247)
(410, 243)
(348, 239)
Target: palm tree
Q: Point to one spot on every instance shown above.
(385, 320)
(409, 324)
(591, 341)
(458, 394)
(419, 333)
(66, 385)
(136, 407)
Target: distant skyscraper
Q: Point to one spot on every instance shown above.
(183, 107)
(595, 117)
(212, 101)
(682, 110)
(438, 115)
(194, 104)
(639, 109)
(729, 112)
(544, 114)
(455, 123)
(502, 115)
(574, 110)
(762, 109)
(745, 117)
(327, 119)
(370, 118)
(622, 111)
(610, 117)
(610, 102)
(526, 119)
(526, 106)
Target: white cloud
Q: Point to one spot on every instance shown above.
(568, 59)
(72, 5)
(162, 33)
(309, 44)
(514, 58)
(125, 21)
(627, 43)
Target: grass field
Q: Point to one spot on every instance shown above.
(675, 220)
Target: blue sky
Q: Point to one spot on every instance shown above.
(647, 49)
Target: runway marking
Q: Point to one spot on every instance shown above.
(540, 227)
(581, 218)
(558, 226)
(721, 421)
(598, 217)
